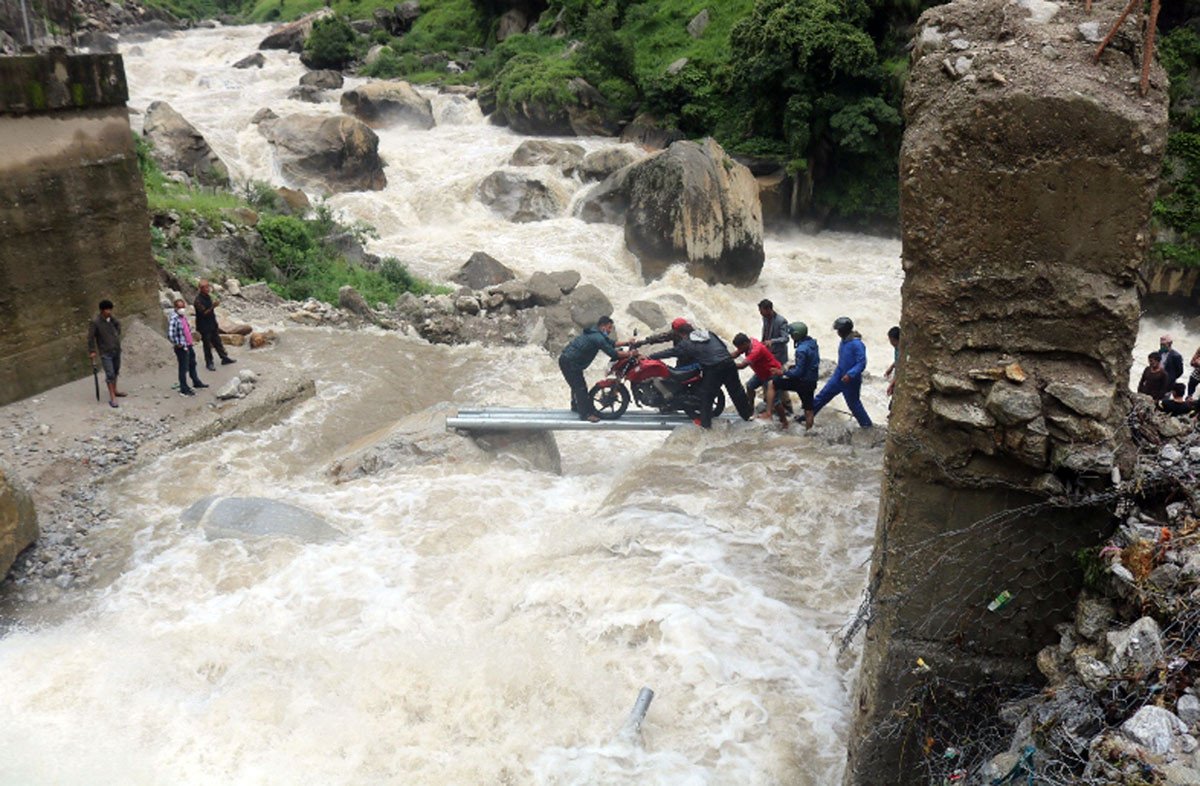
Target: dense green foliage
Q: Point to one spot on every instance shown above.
(298, 264)
(1178, 212)
(331, 44)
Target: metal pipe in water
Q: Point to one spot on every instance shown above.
(634, 724)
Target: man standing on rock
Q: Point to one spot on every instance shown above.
(716, 364)
(847, 377)
(104, 337)
(578, 355)
(179, 332)
(206, 325)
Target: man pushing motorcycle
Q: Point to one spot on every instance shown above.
(693, 345)
(579, 354)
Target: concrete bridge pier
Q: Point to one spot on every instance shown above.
(1027, 175)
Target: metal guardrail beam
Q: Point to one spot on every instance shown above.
(523, 419)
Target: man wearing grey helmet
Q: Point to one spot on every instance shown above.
(847, 377)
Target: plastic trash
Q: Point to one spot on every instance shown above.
(1000, 601)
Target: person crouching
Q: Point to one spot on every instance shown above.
(766, 368)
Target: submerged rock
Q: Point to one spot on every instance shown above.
(521, 197)
(383, 104)
(18, 520)
(250, 518)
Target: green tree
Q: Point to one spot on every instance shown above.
(331, 43)
(807, 73)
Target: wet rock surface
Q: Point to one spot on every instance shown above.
(383, 104)
(178, 146)
(326, 154)
(691, 204)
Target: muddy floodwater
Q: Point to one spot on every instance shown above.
(479, 621)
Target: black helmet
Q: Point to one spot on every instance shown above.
(843, 325)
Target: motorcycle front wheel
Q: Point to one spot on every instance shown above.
(609, 401)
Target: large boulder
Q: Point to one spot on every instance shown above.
(18, 520)
(404, 14)
(177, 145)
(234, 255)
(533, 152)
(292, 35)
(691, 204)
(522, 197)
(599, 164)
(587, 304)
(482, 271)
(324, 79)
(326, 154)
(394, 103)
(252, 518)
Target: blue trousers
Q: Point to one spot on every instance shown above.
(850, 391)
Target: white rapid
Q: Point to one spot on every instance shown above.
(480, 622)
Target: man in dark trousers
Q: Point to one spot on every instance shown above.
(802, 377)
(775, 337)
(716, 364)
(579, 354)
(104, 338)
(1172, 361)
(179, 332)
(206, 326)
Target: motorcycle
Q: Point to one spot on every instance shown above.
(654, 384)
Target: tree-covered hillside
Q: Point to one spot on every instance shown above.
(812, 85)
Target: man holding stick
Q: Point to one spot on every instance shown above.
(104, 338)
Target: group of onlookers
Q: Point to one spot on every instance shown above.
(1161, 379)
(104, 341)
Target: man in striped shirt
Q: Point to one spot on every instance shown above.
(180, 334)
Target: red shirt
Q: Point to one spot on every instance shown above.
(760, 359)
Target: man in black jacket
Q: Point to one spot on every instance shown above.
(104, 339)
(1172, 361)
(206, 326)
(716, 365)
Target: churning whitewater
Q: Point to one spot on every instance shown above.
(479, 621)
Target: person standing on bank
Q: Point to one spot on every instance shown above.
(579, 354)
(1172, 361)
(1194, 379)
(104, 338)
(716, 366)
(179, 332)
(206, 326)
(893, 335)
(847, 377)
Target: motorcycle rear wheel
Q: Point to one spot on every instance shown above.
(609, 401)
(692, 410)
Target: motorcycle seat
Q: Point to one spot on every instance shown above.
(685, 373)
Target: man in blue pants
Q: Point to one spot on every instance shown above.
(847, 377)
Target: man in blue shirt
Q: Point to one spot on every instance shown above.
(578, 355)
(847, 377)
(802, 377)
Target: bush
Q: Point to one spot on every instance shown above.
(331, 44)
(529, 78)
(386, 66)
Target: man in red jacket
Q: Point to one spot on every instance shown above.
(765, 366)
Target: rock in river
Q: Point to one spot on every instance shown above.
(326, 154)
(250, 518)
(382, 104)
(522, 197)
(18, 521)
(177, 145)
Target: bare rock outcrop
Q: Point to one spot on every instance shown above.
(326, 154)
(292, 35)
(177, 145)
(481, 271)
(383, 104)
(1027, 173)
(691, 204)
(18, 521)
